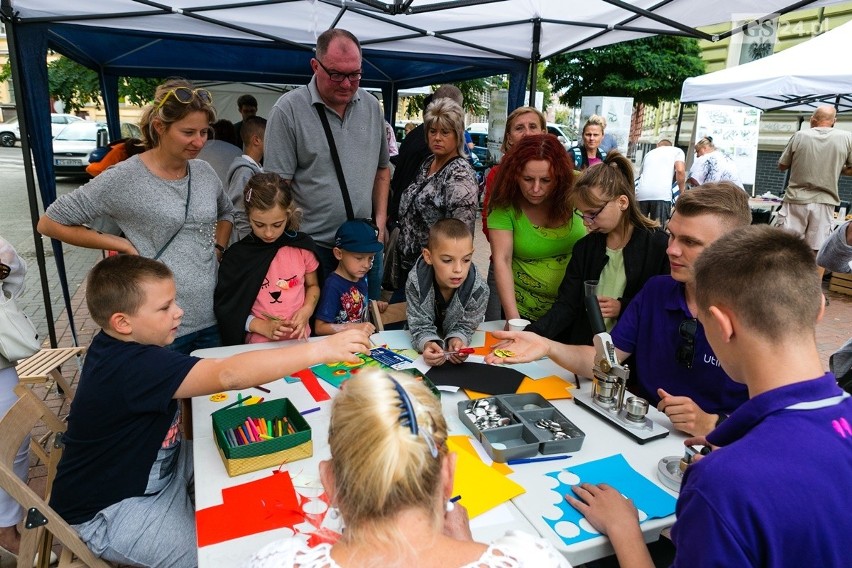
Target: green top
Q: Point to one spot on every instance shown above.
(613, 280)
(539, 258)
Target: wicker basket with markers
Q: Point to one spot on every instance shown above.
(260, 436)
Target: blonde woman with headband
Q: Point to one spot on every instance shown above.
(391, 478)
(169, 206)
(712, 165)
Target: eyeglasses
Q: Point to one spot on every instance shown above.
(686, 351)
(338, 77)
(5, 269)
(185, 95)
(591, 217)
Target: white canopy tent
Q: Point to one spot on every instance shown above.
(799, 78)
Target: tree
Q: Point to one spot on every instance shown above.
(76, 85)
(650, 70)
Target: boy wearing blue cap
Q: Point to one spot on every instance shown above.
(344, 300)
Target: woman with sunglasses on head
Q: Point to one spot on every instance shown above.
(521, 122)
(390, 476)
(169, 205)
(622, 251)
(531, 225)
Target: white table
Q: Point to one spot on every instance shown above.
(523, 513)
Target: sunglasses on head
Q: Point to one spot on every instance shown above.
(185, 95)
(5, 269)
(686, 351)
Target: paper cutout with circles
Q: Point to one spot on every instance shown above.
(651, 501)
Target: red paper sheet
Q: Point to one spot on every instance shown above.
(312, 384)
(257, 506)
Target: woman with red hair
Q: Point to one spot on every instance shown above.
(532, 226)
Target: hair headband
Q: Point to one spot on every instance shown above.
(408, 419)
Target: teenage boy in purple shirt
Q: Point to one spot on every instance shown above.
(774, 491)
(675, 368)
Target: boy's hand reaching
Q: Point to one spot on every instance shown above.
(343, 346)
(298, 324)
(433, 354)
(456, 344)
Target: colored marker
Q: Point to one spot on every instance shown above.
(263, 389)
(240, 400)
(462, 351)
(455, 499)
(308, 411)
(536, 460)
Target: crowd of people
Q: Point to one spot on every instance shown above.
(285, 240)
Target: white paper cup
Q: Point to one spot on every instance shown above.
(518, 324)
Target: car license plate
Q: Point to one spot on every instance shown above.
(66, 162)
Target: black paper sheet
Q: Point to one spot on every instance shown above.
(479, 377)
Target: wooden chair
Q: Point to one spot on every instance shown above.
(44, 366)
(41, 523)
(394, 313)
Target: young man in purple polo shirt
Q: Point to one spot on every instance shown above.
(675, 368)
(774, 490)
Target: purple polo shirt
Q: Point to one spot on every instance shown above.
(649, 328)
(777, 493)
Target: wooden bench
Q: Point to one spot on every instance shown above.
(44, 366)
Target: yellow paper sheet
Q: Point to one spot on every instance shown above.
(480, 487)
(466, 443)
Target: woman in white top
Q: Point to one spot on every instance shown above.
(391, 476)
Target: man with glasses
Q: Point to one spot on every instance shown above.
(674, 366)
(296, 146)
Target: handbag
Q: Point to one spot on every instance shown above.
(18, 336)
(392, 262)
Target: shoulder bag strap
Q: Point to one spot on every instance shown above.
(185, 212)
(347, 202)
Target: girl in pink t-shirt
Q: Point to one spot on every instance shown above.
(289, 290)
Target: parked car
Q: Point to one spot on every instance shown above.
(10, 131)
(73, 147)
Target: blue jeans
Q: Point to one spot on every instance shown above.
(201, 339)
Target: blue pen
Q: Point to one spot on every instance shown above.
(308, 411)
(455, 499)
(535, 460)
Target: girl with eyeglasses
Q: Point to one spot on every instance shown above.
(390, 480)
(531, 225)
(268, 286)
(622, 251)
(168, 205)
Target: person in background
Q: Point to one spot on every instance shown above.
(622, 251)
(393, 148)
(221, 150)
(712, 165)
(660, 168)
(241, 170)
(119, 151)
(391, 478)
(412, 153)
(169, 205)
(521, 122)
(532, 225)
(268, 287)
(589, 152)
(836, 256)
(816, 157)
(12, 272)
(445, 295)
(409, 126)
(445, 185)
(675, 367)
(768, 494)
(247, 105)
(298, 149)
(608, 142)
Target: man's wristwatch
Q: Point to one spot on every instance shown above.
(219, 247)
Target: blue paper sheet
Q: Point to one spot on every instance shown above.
(650, 500)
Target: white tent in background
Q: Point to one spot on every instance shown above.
(800, 78)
